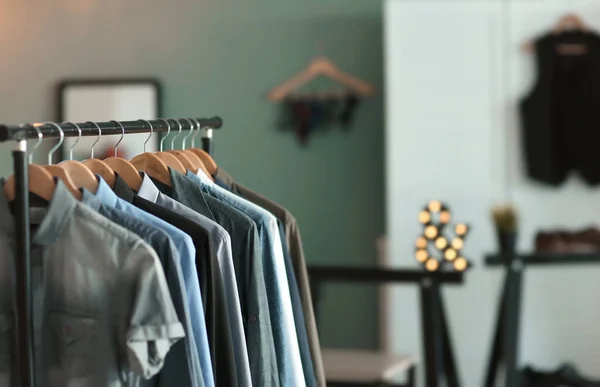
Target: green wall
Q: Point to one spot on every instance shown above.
(216, 57)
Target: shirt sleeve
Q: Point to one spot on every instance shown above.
(152, 326)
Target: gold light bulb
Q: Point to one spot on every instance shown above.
(441, 243)
(421, 243)
(460, 264)
(431, 232)
(432, 264)
(435, 206)
(421, 255)
(445, 217)
(457, 243)
(461, 229)
(450, 254)
(424, 217)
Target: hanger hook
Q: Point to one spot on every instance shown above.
(122, 135)
(55, 147)
(98, 139)
(177, 135)
(198, 126)
(151, 131)
(37, 144)
(191, 132)
(76, 142)
(162, 140)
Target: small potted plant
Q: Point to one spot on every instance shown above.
(506, 223)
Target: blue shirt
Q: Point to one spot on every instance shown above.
(282, 319)
(180, 367)
(187, 253)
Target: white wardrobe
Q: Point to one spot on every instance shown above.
(454, 77)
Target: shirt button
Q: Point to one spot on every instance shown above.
(253, 318)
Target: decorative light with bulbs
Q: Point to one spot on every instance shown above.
(435, 218)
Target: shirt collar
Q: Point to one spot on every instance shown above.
(52, 220)
(202, 176)
(105, 194)
(122, 190)
(90, 200)
(148, 189)
(224, 176)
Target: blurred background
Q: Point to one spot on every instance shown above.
(444, 122)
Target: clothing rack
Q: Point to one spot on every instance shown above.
(20, 133)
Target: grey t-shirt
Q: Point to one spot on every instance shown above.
(102, 313)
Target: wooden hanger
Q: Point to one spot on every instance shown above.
(65, 177)
(150, 163)
(123, 167)
(80, 175)
(570, 21)
(209, 163)
(320, 66)
(177, 162)
(41, 183)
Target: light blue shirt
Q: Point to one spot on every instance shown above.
(287, 348)
(187, 253)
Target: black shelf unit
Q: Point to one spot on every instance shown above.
(505, 346)
(440, 366)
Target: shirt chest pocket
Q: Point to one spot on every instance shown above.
(6, 324)
(76, 344)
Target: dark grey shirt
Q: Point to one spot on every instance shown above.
(182, 366)
(102, 312)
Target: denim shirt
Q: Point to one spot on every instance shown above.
(187, 253)
(181, 366)
(282, 318)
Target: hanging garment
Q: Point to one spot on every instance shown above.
(299, 321)
(216, 316)
(182, 366)
(188, 252)
(103, 306)
(294, 243)
(221, 240)
(561, 116)
(286, 342)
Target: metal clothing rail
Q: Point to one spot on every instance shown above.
(22, 260)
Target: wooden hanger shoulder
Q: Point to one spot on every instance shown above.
(101, 168)
(153, 166)
(81, 175)
(41, 183)
(65, 177)
(207, 160)
(172, 161)
(126, 170)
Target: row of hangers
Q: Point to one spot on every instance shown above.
(76, 174)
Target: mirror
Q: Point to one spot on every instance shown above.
(105, 100)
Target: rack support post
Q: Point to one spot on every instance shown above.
(22, 264)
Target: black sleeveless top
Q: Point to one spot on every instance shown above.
(561, 116)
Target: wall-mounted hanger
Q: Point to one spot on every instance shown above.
(57, 171)
(41, 182)
(150, 163)
(81, 175)
(123, 167)
(320, 66)
(568, 22)
(98, 166)
(207, 160)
